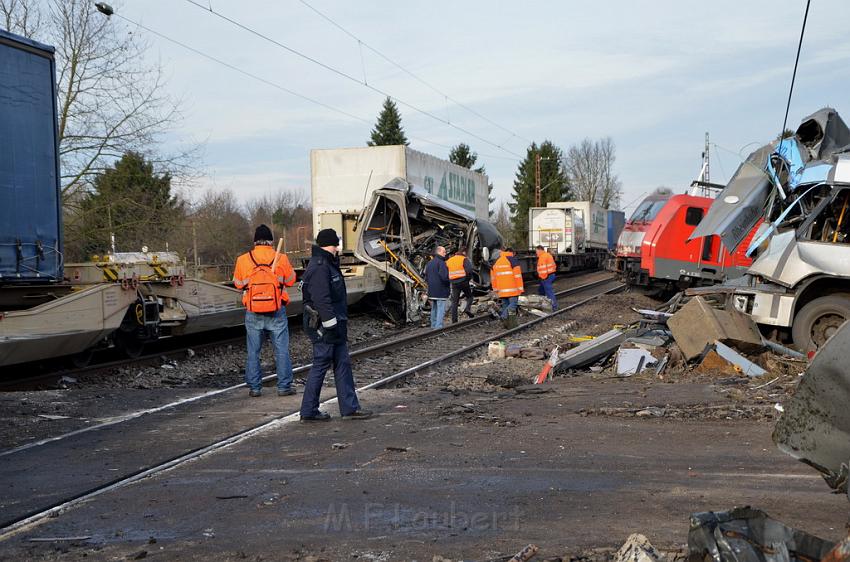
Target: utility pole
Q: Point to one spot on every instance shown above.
(111, 232)
(707, 176)
(537, 193)
(195, 248)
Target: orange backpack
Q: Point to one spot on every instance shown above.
(263, 288)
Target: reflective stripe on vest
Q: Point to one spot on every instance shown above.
(455, 265)
(504, 279)
(545, 265)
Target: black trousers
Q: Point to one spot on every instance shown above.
(461, 287)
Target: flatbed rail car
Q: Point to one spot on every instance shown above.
(49, 308)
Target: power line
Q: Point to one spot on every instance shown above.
(349, 77)
(269, 82)
(411, 74)
(240, 70)
(794, 75)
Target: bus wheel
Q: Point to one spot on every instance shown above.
(818, 320)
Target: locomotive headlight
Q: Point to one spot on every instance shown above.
(740, 302)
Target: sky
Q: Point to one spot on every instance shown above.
(653, 76)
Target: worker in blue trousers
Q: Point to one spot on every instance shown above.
(326, 324)
(546, 269)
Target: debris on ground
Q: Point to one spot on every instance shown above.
(525, 554)
(633, 360)
(591, 351)
(750, 535)
(730, 327)
(637, 548)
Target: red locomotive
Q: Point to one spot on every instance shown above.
(653, 251)
(627, 261)
(672, 262)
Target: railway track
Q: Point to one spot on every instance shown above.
(418, 356)
(35, 376)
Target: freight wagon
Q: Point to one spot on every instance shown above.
(576, 233)
(49, 308)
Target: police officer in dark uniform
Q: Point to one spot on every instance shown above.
(326, 324)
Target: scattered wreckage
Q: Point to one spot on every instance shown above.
(798, 287)
(815, 429)
(664, 337)
(400, 229)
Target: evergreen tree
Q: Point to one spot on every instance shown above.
(388, 130)
(462, 155)
(130, 200)
(553, 183)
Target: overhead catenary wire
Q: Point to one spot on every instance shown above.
(270, 82)
(412, 74)
(794, 74)
(349, 77)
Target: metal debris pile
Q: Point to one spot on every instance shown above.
(686, 334)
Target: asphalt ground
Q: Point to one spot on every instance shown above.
(463, 475)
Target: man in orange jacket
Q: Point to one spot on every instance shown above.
(265, 303)
(506, 281)
(546, 268)
(460, 272)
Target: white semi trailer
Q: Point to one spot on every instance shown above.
(568, 227)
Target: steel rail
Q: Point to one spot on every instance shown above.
(12, 527)
(376, 348)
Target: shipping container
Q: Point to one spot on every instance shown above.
(616, 222)
(343, 179)
(568, 227)
(30, 208)
(555, 229)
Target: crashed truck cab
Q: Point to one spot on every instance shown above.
(798, 286)
(401, 227)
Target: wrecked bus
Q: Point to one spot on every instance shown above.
(798, 286)
(400, 229)
(393, 206)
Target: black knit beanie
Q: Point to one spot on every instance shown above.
(327, 237)
(263, 234)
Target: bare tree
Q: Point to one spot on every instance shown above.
(218, 227)
(288, 213)
(20, 17)
(502, 221)
(110, 100)
(589, 167)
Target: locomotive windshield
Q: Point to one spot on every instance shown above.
(647, 210)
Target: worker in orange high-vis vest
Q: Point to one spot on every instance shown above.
(262, 275)
(546, 272)
(460, 272)
(505, 284)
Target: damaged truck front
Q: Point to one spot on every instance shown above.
(401, 227)
(798, 286)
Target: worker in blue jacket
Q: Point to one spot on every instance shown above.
(326, 324)
(437, 278)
